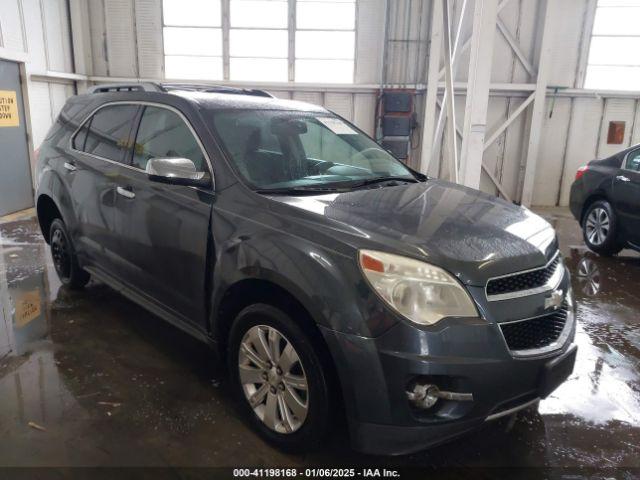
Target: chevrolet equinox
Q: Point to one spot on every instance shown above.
(332, 279)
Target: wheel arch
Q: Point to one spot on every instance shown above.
(248, 291)
(47, 211)
(590, 200)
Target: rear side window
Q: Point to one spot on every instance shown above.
(633, 161)
(164, 134)
(107, 133)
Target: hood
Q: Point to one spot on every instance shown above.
(471, 234)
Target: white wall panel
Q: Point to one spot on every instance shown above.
(59, 94)
(285, 95)
(364, 111)
(616, 109)
(149, 37)
(98, 38)
(35, 35)
(120, 38)
(566, 42)
(340, 103)
(309, 97)
(40, 103)
(57, 35)
(552, 149)
(582, 142)
(11, 25)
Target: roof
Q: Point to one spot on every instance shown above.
(223, 101)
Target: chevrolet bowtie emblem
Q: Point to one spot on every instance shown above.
(554, 300)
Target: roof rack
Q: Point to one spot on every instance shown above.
(166, 87)
(127, 87)
(216, 89)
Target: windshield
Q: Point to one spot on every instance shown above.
(276, 150)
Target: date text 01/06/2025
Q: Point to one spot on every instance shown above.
(315, 473)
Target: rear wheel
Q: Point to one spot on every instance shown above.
(599, 227)
(64, 257)
(278, 378)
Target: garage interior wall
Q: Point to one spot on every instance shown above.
(117, 40)
(37, 34)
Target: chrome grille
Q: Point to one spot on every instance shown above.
(519, 282)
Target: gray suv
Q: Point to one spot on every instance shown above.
(334, 281)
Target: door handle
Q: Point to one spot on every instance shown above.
(70, 166)
(125, 193)
(622, 178)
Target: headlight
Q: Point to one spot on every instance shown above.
(423, 293)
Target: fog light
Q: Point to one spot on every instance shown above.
(426, 396)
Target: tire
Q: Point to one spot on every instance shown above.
(599, 229)
(64, 257)
(299, 418)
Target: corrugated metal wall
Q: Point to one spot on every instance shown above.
(125, 41)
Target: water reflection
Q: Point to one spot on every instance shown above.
(588, 275)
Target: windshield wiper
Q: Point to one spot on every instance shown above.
(373, 181)
(298, 190)
(339, 187)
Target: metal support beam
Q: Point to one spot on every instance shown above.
(498, 131)
(449, 92)
(428, 122)
(485, 16)
(455, 56)
(537, 112)
(513, 43)
(491, 176)
(467, 42)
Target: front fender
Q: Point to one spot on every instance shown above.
(327, 283)
(51, 185)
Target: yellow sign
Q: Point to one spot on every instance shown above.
(27, 307)
(9, 109)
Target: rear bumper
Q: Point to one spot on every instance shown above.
(463, 356)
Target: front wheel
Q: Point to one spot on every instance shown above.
(599, 227)
(279, 378)
(64, 257)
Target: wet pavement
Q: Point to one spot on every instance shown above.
(90, 379)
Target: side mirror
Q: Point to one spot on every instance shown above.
(177, 171)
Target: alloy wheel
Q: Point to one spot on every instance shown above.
(61, 254)
(273, 379)
(597, 226)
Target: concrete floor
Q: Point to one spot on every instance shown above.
(107, 384)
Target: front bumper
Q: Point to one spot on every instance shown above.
(460, 355)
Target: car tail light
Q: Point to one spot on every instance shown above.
(581, 171)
